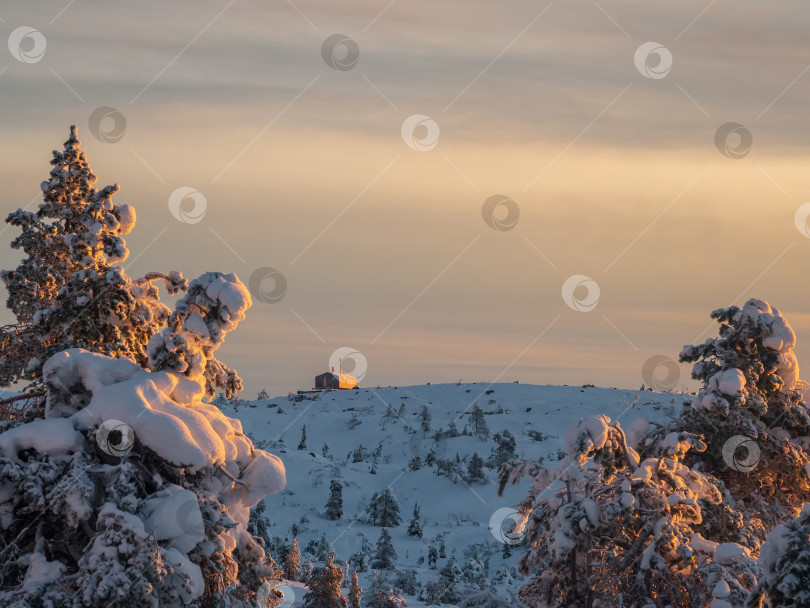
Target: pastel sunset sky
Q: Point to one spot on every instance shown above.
(302, 149)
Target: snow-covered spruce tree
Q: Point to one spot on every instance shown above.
(334, 506)
(385, 555)
(302, 445)
(324, 587)
(68, 291)
(214, 304)
(381, 596)
(785, 560)
(131, 492)
(355, 592)
(612, 525)
(292, 562)
(750, 389)
(505, 449)
(383, 509)
(415, 525)
(475, 470)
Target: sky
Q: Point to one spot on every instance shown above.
(549, 192)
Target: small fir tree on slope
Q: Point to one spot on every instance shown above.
(415, 525)
(334, 506)
(385, 554)
(383, 509)
(324, 588)
(292, 562)
(355, 592)
(478, 424)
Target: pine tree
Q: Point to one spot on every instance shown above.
(415, 525)
(505, 449)
(425, 418)
(355, 592)
(324, 587)
(68, 292)
(751, 401)
(452, 431)
(325, 450)
(361, 559)
(263, 395)
(385, 555)
(383, 510)
(433, 557)
(475, 469)
(292, 562)
(334, 506)
(302, 445)
(478, 425)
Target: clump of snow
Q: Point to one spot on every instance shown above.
(40, 571)
(729, 382)
(173, 514)
(56, 437)
(721, 590)
(781, 338)
(589, 435)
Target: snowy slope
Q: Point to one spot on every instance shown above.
(452, 511)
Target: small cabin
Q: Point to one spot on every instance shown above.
(331, 380)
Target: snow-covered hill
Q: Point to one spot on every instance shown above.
(466, 518)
